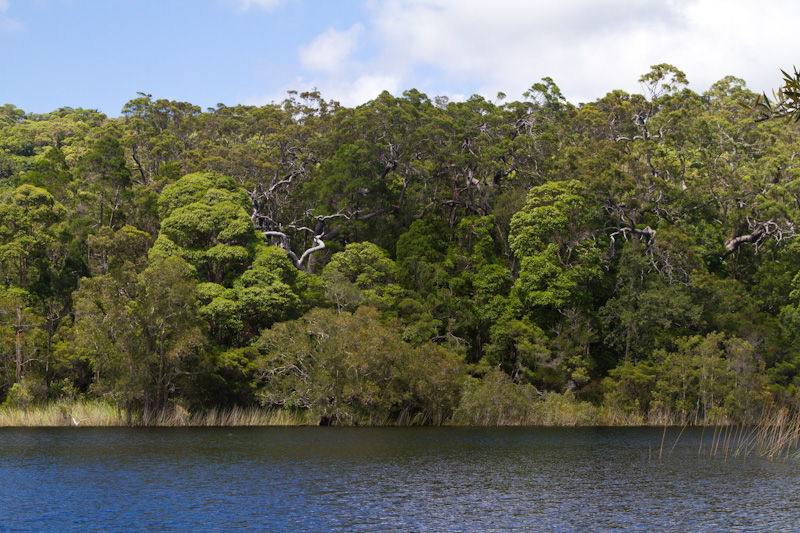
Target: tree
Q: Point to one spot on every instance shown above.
(204, 221)
(645, 311)
(264, 294)
(166, 307)
(29, 218)
(354, 369)
(127, 244)
(786, 103)
(552, 238)
(51, 173)
(19, 326)
(109, 336)
(137, 330)
(157, 133)
(105, 168)
(361, 272)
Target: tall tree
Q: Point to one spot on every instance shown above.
(108, 178)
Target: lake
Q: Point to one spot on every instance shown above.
(387, 479)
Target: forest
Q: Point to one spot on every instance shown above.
(412, 260)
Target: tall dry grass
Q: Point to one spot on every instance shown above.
(81, 413)
(775, 435)
(84, 413)
(235, 416)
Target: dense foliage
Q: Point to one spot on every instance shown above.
(410, 259)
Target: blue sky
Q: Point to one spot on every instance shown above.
(99, 53)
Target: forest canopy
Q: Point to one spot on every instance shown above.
(411, 259)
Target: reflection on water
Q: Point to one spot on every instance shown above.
(386, 479)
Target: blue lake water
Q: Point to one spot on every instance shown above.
(387, 479)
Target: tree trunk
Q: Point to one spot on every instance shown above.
(18, 344)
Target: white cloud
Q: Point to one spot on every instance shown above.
(267, 5)
(587, 46)
(509, 45)
(331, 67)
(330, 50)
(349, 93)
(368, 87)
(263, 99)
(750, 40)
(8, 24)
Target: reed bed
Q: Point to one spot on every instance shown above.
(237, 416)
(77, 413)
(775, 436)
(104, 414)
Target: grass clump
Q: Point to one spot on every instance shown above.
(98, 413)
(775, 436)
(61, 413)
(234, 416)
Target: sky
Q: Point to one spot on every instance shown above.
(98, 54)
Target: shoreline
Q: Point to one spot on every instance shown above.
(98, 413)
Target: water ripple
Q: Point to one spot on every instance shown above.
(384, 479)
